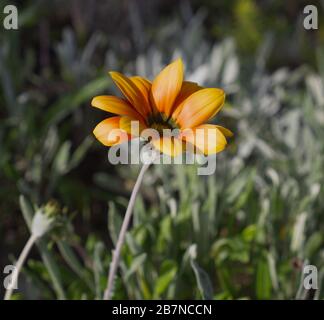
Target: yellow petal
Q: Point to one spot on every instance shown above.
(114, 105)
(144, 87)
(130, 91)
(166, 87)
(200, 106)
(170, 146)
(143, 84)
(132, 126)
(208, 139)
(108, 132)
(226, 132)
(187, 89)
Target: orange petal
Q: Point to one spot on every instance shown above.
(166, 87)
(143, 84)
(114, 105)
(170, 146)
(207, 138)
(200, 106)
(132, 126)
(187, 89)
(108, 132)
(130, 91)
(144, 87)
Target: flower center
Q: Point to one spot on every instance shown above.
(159, 126)
(162, 124)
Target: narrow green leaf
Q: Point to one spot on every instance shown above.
(263, 280)
(169, 271)
(136, 264)
(203, 281)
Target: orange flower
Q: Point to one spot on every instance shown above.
(166, 103)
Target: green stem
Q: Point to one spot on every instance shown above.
(20, 262)
(116, 253)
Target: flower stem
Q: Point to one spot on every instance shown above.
(121, 237)
(29, 244)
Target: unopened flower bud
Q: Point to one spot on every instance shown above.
(43, 219)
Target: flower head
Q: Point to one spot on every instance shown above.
(44, 219)
(168, 103)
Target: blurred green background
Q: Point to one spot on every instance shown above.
(244, 232)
